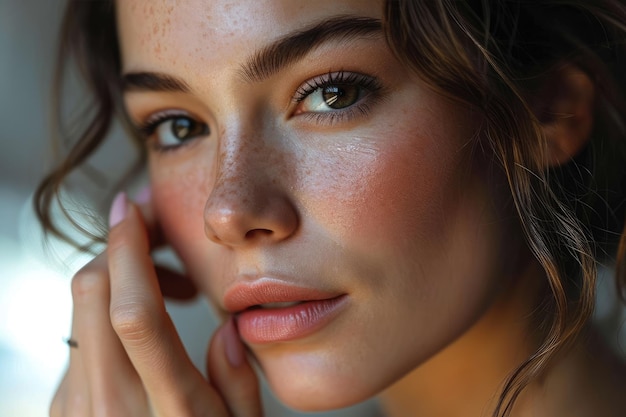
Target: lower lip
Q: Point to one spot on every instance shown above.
(288, 323)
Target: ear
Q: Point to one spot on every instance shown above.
(567, 115)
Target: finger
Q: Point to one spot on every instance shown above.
(57, 406)
(70, 402)
(231, 373)
(139, 318)
(72, 396)
(114, 386)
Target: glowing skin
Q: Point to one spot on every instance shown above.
(384, 205)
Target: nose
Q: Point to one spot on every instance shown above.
(247, 204)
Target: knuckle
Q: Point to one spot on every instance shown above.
(133, 322)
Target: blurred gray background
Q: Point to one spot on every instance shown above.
(35, 304)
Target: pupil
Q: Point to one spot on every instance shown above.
(340, 96)
(181, 127)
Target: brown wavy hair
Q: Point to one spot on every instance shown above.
(491, 55)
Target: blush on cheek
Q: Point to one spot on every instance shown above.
(179, 197)
(179, 207)
(400, 190)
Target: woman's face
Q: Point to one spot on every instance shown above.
(313, 169)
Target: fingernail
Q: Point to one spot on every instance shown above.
(232, 344)
(144, 196)
(118, 209)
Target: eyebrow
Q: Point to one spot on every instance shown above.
(272, 58)
(294, 46)
(153, 81)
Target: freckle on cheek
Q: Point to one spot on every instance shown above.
(181, 193)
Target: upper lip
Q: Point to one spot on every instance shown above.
(244, 295)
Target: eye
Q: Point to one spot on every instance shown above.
(333, 97)
(337, 96)
(176, 130)
(168, 131)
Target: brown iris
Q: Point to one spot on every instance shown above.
(184, 128)
(340, 96)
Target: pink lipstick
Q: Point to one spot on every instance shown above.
(268, 311)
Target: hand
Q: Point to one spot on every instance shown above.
(130, 360)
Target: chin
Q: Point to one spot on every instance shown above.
(319, 387)
(305, 394)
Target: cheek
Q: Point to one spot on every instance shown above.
(188, 186)
(179, 197)
(404, 185)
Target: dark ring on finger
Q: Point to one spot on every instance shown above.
(71, 343)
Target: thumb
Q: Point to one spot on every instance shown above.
(231, 374)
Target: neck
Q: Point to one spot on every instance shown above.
(466, 378)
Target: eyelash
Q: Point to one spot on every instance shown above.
(148, 128)
(372, 86)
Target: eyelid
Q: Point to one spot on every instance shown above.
(148, 126)
(149, 129)
(336, 77)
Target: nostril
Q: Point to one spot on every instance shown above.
(254, 233)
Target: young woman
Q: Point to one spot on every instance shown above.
(405, 198)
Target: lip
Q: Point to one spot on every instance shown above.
(315, 310)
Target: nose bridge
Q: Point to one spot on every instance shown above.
(239, 173)
(246, 166)
(240, 158)
(247, 202)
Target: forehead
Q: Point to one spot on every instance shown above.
(160, 34)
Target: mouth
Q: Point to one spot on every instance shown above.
(283, 304)
(270, 312)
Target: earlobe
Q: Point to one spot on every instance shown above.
(567, 119)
